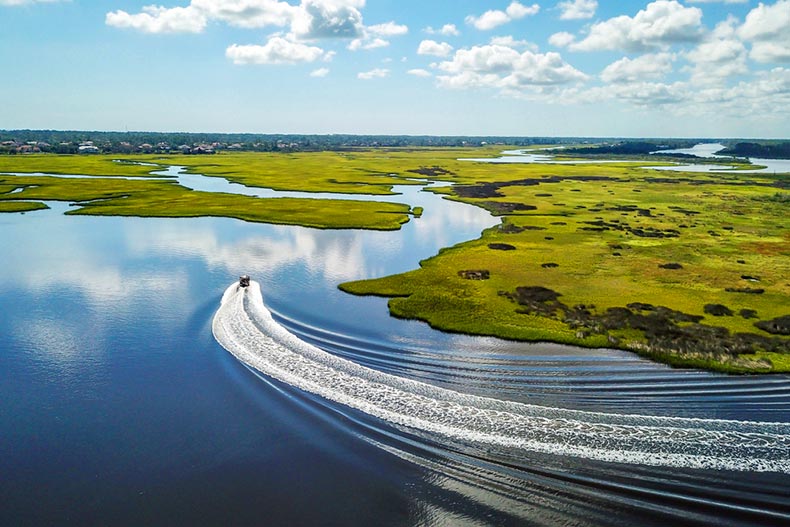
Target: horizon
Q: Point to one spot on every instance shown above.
(567, 68)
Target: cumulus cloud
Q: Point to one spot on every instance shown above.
(367, 43)
(720, 56)
(511, 42)
(717, 1)
(650, 94)
(277, 50)
(651, 66)
(309, 20)
(768, 28)
(388, 29)
(371, 37)
(431, 47)
(376, 73)
(504, 68)
(448, 30)
(561, 39)
(419, 73)
(247, 13)
(577, 9)
(659, 24)
(328, 19)
(320, 72)
(495, 18)
(759, 95)
(156, 19)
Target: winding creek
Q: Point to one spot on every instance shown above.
(115, 388)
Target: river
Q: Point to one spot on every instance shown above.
(120, 407)
(702, 150)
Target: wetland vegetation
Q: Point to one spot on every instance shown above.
(688, 269)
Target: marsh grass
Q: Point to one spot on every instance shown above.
(89, 165)
(706, 223)
(157, 198)
(21, 206)
(607, 230)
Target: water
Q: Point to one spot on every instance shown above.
(699, 150)
(246, 328)
(120, 408)
(704, 150)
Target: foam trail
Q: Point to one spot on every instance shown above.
(245, 327)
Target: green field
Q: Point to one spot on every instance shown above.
(677, 267)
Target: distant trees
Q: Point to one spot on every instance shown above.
(67, 141)
(631, 148)
(763, 150)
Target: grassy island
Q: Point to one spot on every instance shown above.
(688, 269)
(105, 191)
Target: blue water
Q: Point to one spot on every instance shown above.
(120, 408)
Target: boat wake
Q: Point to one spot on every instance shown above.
(245, 327)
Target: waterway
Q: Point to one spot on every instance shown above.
(121, 408)
(702, 150)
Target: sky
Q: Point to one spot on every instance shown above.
(595, 68)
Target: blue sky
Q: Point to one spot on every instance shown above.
(703, 68)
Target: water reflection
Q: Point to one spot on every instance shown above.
(340, 255)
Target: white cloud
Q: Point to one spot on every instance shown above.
(510, 42)
(277, 50)
(760, 96)
(494, 18)
(388, 29)
(488, 20)
(516, 10)
(247, 13)
(367, 43)
(328, 19)
(320, 72)
(659, 24)
(561, 39)
(494, 66)
(311, 19)
(156, 19)
(376, 73)
(770, 52)
(625, 70)
(419, 73)
(768, 28)
(371, 36)
(431, 47)
(719, 57)
(648, 95)
(717, 1)
(448, 30)
(651, 94)
(577, 9)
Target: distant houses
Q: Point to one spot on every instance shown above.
(30, 147)
(87, 142)
(87, 147)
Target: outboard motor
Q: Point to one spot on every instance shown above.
(244, 281)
